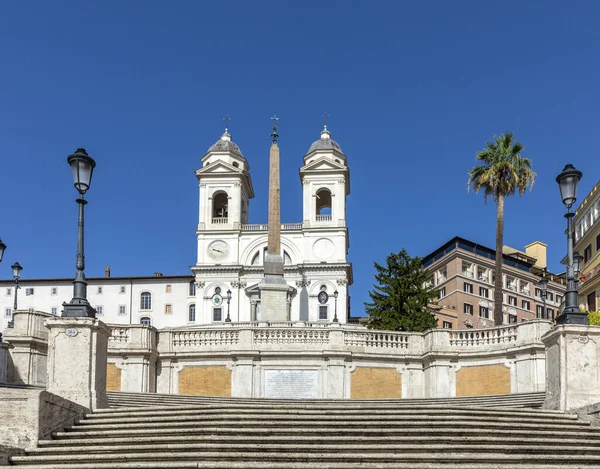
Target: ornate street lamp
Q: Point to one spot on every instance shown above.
(567, 181)
(335, 296)
(16, 271)
(82, 166)
(544, 292)
(228, 319)
(2, 248)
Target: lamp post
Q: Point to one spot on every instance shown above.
(82, 166)
(16, 271)
(228, 319)
(567, 181)
(544, 294)
(335, 296)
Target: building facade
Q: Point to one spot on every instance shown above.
(463, 271)
(587, 243)
(222, 284)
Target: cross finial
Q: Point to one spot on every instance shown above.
(325, 116)
(226, 119)
(274, 134)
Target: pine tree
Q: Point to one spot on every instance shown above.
(402, 294)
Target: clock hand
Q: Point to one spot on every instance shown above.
(217, 250)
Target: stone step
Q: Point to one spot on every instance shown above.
(406, 421)
(345, 430)
(312, 465)
(512, 456)
(458, 446)
(289, 419)
(441, 437)
(122, 414)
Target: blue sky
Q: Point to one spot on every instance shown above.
(414, 90)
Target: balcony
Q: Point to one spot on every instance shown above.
(325, 217)
(265, 227)
(219, 221)
(468, 273)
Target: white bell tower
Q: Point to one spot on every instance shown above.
(325, 184)
(225, 187)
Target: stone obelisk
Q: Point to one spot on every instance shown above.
(273, 288)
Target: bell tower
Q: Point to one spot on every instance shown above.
(225, 187)
(325, 184)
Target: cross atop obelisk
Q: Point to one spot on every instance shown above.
(274, 239)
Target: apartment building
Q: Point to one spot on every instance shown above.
(587, 243)
(464, 273)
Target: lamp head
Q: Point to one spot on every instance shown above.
(16, 270)
(228, 295)
(2, 248)
(567, 182)
(82, 166)
(335, 294)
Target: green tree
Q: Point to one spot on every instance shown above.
(504, 172)
(402, 294)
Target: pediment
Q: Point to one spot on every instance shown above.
(323, 164)
(218, 167)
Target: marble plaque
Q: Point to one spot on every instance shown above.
(291, 384)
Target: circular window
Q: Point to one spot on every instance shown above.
(217, 290)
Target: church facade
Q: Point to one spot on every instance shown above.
(223, 284)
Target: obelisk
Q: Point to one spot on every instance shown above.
(273, 288)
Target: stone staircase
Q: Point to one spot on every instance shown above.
(151, 431)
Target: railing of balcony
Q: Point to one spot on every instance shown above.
(325, 217)
(264, 227)
(219, 220)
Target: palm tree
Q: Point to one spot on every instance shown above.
(504, 172)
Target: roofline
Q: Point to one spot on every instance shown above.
(588, 197)
(490, 250)
(92, 279)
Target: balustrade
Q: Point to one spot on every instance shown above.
(324, 217)
(219, 221)
(469, 338)
(392, 340)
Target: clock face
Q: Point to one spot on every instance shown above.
(323, 248)
(323, 297)
(218, 250)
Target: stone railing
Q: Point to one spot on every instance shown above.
(219, 221)
(287, 336)
(135, 337)
(326, 217)
(201, 339)
(265, 227)
(375, 339)
(469, 337)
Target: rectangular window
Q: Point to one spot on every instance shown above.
(447, 325)
(9, 292)
(549, 296)
(468, 287)
(442, 292)
(54, 291)
(591, 301)
(167, 288)
(8, 312)
(484, 312)
(510, 284)
(323, 312)
(484, 292)
(192, 313)
(526, 305)
(192, 289)
(122, 289)
(100, 310)
(54, 311)
(559, 299)
(512, 318)
(122, 310)
(587, 253)
(468, 308)
(29, 291)
(217, 314)
(512, 300)
(99, 290)
(539, 312)
(168, 309)
(467, 269)
(598, 243)
(538, 292)
(524, 288)
(550, 314)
